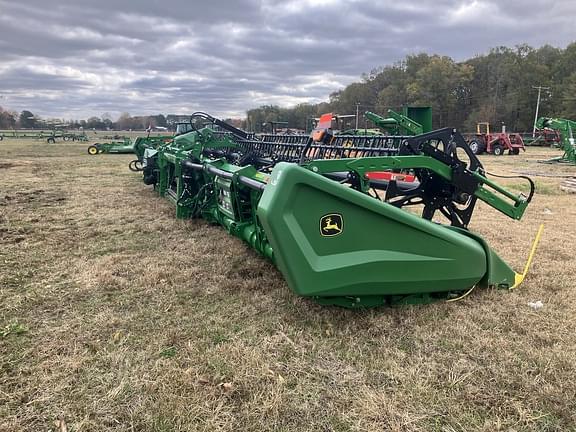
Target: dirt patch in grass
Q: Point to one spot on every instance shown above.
(34, 197)
(14, 163)
(116, 316)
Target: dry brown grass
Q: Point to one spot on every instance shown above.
(117, 316)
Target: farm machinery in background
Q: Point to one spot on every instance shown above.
(542, 138)
(330, 122)
(566, 129)
(75, 136)
(340, 125)
(338, 236)
(127, 146)
(124, 146)
(413, 121)
(496, 143)
(49, 136)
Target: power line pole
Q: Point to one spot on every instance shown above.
(539, 88)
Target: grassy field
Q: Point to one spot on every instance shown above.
(116, 316)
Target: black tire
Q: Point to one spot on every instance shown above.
(93, 150)
(514, 151)
(497, 150)
(51, 140)
(477, 146)
(1, 137)
(135, 166)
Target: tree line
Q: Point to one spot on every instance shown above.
(498, 87)
(27, 120)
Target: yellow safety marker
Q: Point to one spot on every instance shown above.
(519, 278)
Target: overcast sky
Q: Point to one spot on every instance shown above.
(77, 58)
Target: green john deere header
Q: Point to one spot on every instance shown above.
(330, 211)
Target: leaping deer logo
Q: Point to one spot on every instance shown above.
(331, 225)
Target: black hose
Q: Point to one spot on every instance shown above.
(304, 150)
(532, 185)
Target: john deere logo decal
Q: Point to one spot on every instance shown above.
(331, 225)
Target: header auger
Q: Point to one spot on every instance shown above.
(337, 234)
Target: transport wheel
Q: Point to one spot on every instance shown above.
(1, 137)
(51, 140)
(514, 151)
(477, 146)
(498, 150)
(92, 150)
(135, 166)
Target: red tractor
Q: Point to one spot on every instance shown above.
(494, 143)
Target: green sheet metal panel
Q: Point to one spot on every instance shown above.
(374, 248)
(422, 115)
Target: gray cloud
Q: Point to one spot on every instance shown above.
(75, 58)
